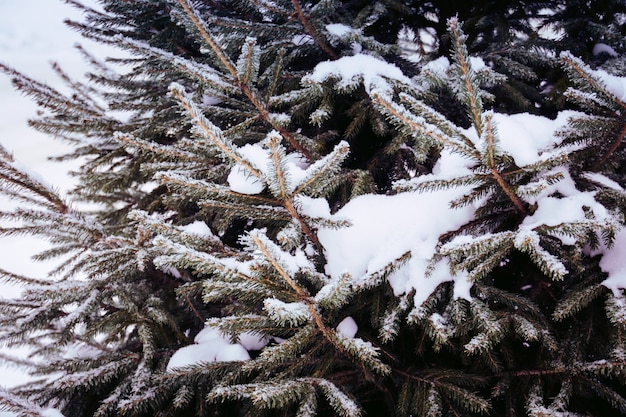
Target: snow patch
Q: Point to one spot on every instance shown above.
(252, 341)
(612, 263)
(312, 207)
(385, 227)
(349, 70)
(614, 84)
(602, 180)
(51, 412)
(438, 66)
(528, 137)
(210, 346)
(198, 228)
(477, 63)
(348, 327)
(241, 181)
(339, 30)
(603, 48)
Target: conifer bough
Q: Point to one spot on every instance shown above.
(329, 208)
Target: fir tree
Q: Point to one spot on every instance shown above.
(207, 281)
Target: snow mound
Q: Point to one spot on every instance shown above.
(210, 346)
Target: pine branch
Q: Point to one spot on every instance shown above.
(245, 89)
(619, 139)
(311, 30)
(280, 176)
(467, 76)
(590, 82)
(49, 98)
(519, 205)
(324, 167)
(464, 397)
(345, 347)
(286, 197)
(435, 135)
(153, 147)
(271, 6)
(24, 183)
(206, 36)
(19, 279)
(21, 406)
(249, 61)
(212, 132)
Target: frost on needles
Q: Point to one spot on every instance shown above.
(293, 217)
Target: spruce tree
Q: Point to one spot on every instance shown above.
(245, 168)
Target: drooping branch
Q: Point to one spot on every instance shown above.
(16, 178)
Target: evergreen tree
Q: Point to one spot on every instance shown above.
(234, 264)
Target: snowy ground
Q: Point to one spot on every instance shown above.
(32, 35)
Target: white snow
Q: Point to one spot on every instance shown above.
(198, 227)
(570, 207)
(441, 65)
(251, 341)
(242, 181)
(438, 321)
(613, 264)
(477, 63)
(384, 228)
(51, 412)
(438, 67)
(603, 180)
(339, 30)
(210, 346)
(312, 207)
(348, 327)
(600, 48)
(526, 137)
(350, 70)
(614, 84)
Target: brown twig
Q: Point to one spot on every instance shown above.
(616, 144)
(519, 205)
(311, 30)
(194, 309)
(531, 372)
